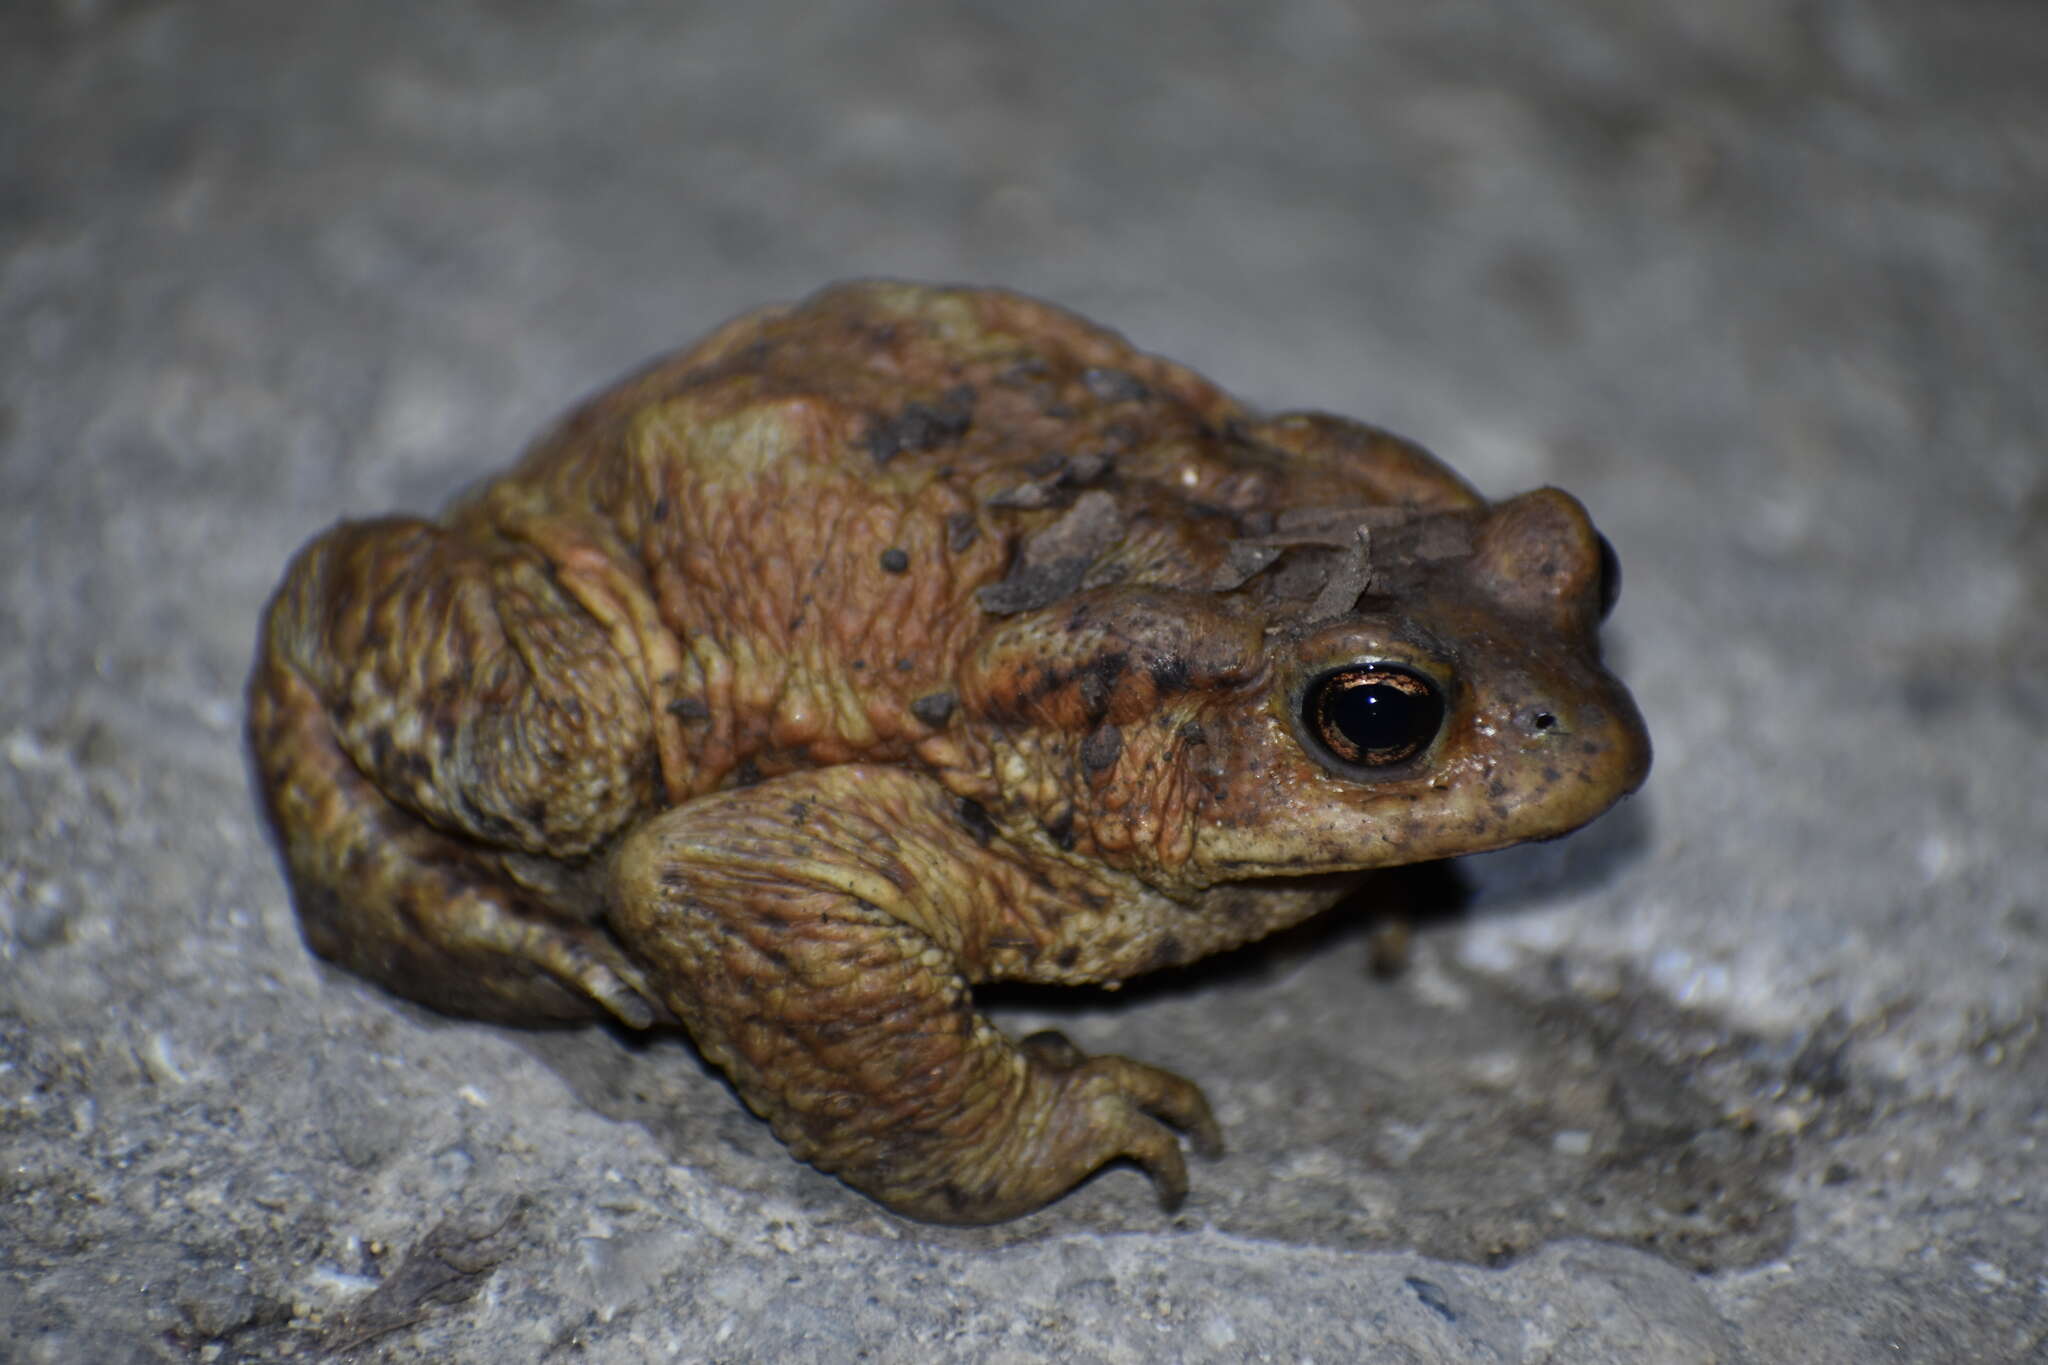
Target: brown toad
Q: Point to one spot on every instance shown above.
(902, 640)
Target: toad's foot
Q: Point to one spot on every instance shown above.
(816, 934)
(1139, 1103)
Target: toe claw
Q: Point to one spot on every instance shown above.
(1172, 1186)
(1157, 1152)
(1142, 1111)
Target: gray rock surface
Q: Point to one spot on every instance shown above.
(1752, 1070)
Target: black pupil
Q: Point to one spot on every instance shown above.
(1375, 716)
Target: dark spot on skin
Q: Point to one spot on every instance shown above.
(1061, 830)
(1068, 956)
(858, 664)
(1170, 674)
(975, 818)
(1102, 748)
(661, 509)
(923, 426)
(905, 664)
(962, 530)
(934, 708)
(1030, 587)
(689, 708)
(1165, 953)
(1551, 775)
(1094, 692)
(1110, 667)
(746, 774)
(1099, 682)
(883, 442)
(1054, 560)
(895, 561)
(1114, 386)
(1496, 789)
(1094, 900)
(1243, 907)
(799, 813)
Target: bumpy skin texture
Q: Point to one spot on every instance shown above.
(902, 640)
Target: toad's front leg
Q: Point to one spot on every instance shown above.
(816, 933)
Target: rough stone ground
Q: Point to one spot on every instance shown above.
(1752, 1070)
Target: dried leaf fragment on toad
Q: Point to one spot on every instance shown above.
(899, 641)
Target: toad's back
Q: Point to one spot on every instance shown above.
(808, 517)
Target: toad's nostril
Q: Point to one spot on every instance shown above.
(1543, 720)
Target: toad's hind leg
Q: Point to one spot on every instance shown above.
(426, 915)
(438, 917)
(812, 933)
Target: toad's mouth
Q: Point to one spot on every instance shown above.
(1306, 869)
(1486, 807)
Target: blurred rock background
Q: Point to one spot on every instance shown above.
(1751, 1070)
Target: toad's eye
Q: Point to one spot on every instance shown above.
(1373, 715)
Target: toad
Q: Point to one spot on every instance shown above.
(899, 641)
